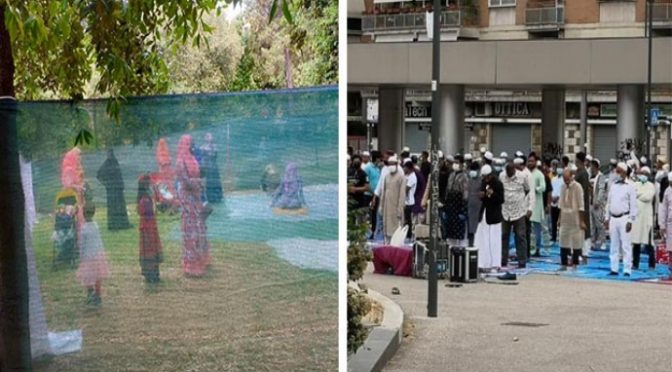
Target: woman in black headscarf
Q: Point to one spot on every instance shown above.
(210, 170)
(109, 175)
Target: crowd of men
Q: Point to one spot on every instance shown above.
(483, 200)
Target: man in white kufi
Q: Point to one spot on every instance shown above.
(488, 239)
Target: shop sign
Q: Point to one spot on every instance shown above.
(593, 111)
(418, 111)
(508, 109)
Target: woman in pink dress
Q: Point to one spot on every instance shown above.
(72, 177)
(195, 246)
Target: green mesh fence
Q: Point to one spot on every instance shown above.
(265, 297)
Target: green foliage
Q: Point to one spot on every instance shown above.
(358, 258)
(244, 80)
(358, 306)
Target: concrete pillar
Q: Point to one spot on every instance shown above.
(630, 122)
(390, 119)
(553, 121)
(451, 129)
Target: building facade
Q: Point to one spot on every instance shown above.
(549, 76)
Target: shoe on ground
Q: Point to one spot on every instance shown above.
(613, 273)
(627, 275)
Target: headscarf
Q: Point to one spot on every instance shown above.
(72, 173)
(163, 153)
(208, 145)
(291, 175)
(185, 158)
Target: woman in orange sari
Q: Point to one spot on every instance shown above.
(195, 246)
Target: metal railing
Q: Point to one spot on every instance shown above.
(408, 21)
(545, 16)
(661, 13)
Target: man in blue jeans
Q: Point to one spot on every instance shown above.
(515, 210)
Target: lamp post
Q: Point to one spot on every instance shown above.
(649, 33)
(432, 277)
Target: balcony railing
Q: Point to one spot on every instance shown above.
(408, 21)
(548, 16)
(661, 13)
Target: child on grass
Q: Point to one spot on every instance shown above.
(93, 266)
(151, 254)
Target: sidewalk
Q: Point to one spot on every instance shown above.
(585, 325)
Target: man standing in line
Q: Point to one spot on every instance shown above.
(599, 186)
(556, 184)
(621, 213)
(515, 210)
(377, 195)
(411, 185)
(571, 224)
(488, 239)
(393, 198)
(583, 178)
(539, 182)
(372, 170)
(519, 161)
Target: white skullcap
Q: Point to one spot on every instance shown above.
(366, 153)
(589, 158)
(573, 167)
(643, 160)
(393, 159)
(499, 161)
(597, 161)
(485, 170)
(488, 155)
(613, 161)
(646, 170)
(468, 156)
(518, 161)
(519, 153)
(406, 149)
(407, 160)
(483, 150)
(440, 154)
(538, 163)
(450, 158)
(348, 156)
(503, 155)
(623, 166)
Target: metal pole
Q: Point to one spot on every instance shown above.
(649, 11)
(583, 122)
(432, 280)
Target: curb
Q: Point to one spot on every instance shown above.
(383, 341)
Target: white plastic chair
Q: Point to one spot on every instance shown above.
(399, 236)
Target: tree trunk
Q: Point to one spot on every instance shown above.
(14, 317)
(289, 79)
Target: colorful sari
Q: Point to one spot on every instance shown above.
(195, 246)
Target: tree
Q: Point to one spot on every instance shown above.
(56, 46)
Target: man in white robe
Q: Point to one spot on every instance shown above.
(488, 239)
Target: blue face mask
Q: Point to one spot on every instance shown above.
(473, 173)
(559, 171)
(643, 178)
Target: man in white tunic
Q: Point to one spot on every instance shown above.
(621, 213)
(643, 226)
(665, 220)
(571, 223)
(488, 239)
(393, 198)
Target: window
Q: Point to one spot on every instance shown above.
(499, 3)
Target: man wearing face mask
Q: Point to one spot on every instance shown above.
(393, 198)
(377, 194)
(358, 185)
(642, 228)
(620, 214)
(473, 200)
(456, 205)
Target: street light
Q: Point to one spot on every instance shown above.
(649, 34)
(432, 277)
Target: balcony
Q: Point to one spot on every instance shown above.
(545, 19)
(661, 15)
(407, 22)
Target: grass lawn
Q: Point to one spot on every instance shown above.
(252, 312)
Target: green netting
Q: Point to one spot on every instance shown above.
(270, 292)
